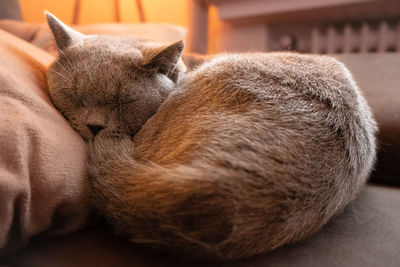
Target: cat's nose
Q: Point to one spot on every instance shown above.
(95, 129)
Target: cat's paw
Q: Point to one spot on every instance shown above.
(103, 151)
(105, 154)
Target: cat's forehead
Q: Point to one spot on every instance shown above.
(99, 64)
(101, 68)
(100, 48)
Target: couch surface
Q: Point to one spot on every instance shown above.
(366, 234)
(378, 75)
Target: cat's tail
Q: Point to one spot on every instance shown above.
(170, 209)
(199, 211)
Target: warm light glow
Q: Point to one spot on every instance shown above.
(32, 10)
(101, 11)
(174, 11)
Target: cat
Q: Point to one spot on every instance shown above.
(236, 156)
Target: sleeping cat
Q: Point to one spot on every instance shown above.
(239, 155)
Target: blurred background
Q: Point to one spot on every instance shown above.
(80, 12)
(312, 26)
(100, 11)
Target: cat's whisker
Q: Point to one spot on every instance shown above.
(61, 53)
(59, 74)
(63, 67)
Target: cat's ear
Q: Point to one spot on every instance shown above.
(64, 35)
(166, 59)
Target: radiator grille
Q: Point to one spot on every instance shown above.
(381, 36)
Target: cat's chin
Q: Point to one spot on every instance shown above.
(109, 136)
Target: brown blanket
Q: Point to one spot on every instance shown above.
(42, 160)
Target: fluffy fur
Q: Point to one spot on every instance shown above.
(241, 155)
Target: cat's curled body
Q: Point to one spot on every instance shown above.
(248, 153)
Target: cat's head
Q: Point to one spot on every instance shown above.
(110, 85)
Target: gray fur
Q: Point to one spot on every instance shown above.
(247, 153)
(111, 81)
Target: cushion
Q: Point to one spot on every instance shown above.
(40, 34)
(377, 75)
(43, 183)
(366, 234)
